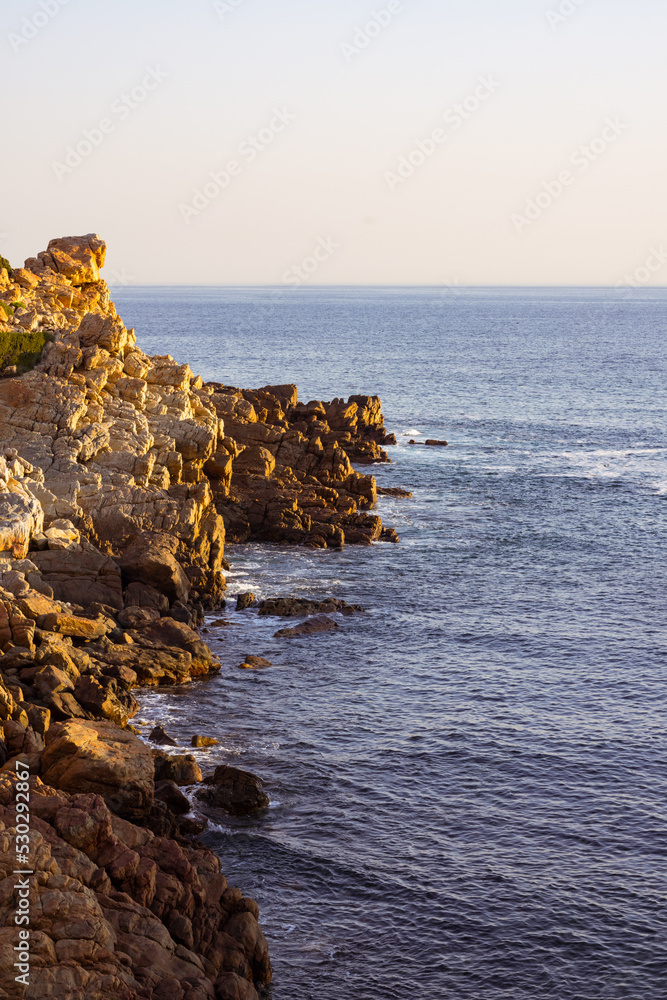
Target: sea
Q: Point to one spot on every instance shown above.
(468, 781)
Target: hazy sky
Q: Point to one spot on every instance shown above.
(396, 142)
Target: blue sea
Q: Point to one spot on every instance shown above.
(468, 781)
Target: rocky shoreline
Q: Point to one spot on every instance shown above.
(121, 477)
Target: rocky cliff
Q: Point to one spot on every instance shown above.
(120, 475)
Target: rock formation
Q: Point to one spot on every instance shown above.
(120, 475)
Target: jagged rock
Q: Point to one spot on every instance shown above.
(182, 769)
(158, 735)
(98, 757)
(168, 792)
(119, 912)
(175, 635)
(143, 596)
(246, 600)
(291, 478)
(237, 792)
(150, 560)
(393, 491)
(203, 741)
(294, 607)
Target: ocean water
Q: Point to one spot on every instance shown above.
(468, 781)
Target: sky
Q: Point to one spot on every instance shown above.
(401, 142)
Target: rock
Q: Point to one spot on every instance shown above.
(82, 576)
(149, 559)
(182, 769)
(137, 617)
(237, 792)
(229, 986)
(294, 607)
(254, 663)
(204, 741)
(169, 793)
(81, 628)
(102, 702)
(283, 471)
(144, 596)
(310, 627)
(176, 635)
(389, 535)
(393, 491)
(98, 757)
(158, 735)
(436, 444)
(246, 600)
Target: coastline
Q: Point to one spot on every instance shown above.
(120, 477)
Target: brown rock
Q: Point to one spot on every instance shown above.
(169, 793)
(246, 600)
(158, 735)
(182, 769)
(237, 792)
(150, 560)
(97, 757)
(255, 663)
(229, 986)
(81, 628)
(144, 596)
(204, 741)
(310, 627)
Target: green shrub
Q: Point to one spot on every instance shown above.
(22, 348)
(5, 263)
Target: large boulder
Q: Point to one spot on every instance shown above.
(98, 757)
(237, 792)
(150, 559)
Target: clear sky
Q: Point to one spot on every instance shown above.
(396, 142)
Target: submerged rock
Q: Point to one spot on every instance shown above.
(255, 663)
(310, 627)
(295, 607)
